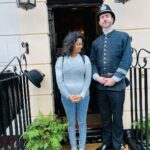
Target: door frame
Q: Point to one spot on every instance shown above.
(92, 133)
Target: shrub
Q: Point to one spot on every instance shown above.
(45, 133)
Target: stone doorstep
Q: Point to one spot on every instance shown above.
(88, 146)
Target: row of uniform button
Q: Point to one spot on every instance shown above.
(105, 48)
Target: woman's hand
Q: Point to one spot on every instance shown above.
(75, 98)
(78, 97)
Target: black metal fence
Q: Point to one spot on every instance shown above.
(15, 114)
(140, 97)
(15, 110)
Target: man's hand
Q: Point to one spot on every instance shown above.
(101, 80)
(109, 82)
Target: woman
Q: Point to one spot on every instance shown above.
(73, 75)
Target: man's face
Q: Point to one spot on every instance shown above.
(106, 20)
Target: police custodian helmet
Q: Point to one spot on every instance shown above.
(104, 8)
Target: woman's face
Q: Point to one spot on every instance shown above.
(78, 45)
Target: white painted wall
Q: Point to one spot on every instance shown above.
(34, 29)
(133, 17)
(9, 32)
(30, 26)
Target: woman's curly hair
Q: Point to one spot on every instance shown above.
(69, 41)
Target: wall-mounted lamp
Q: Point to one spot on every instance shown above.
(26, 4)
(121, 1)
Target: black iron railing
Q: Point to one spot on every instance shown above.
(140, 97)
(15, 111)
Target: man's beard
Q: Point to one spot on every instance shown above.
(106, 25)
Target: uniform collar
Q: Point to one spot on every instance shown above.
(109, 34)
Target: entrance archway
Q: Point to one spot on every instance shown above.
(64, 19)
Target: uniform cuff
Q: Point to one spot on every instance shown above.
(95, 75)
(117, 79)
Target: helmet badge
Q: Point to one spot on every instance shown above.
(103, 7)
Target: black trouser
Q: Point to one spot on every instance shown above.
(111, 110)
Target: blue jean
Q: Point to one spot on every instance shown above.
(76, 111)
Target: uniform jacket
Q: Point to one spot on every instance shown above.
(111, 54)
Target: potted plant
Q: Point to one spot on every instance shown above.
(144, 131)
(45, 133)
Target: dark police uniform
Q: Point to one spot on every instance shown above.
(111, 56)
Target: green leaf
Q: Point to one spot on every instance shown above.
(45, 133)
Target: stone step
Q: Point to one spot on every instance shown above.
(88, 146)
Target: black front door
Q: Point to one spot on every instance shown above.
(62, 21)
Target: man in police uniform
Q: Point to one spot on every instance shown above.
(111, 57)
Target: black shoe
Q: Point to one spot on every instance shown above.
(103, 147)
